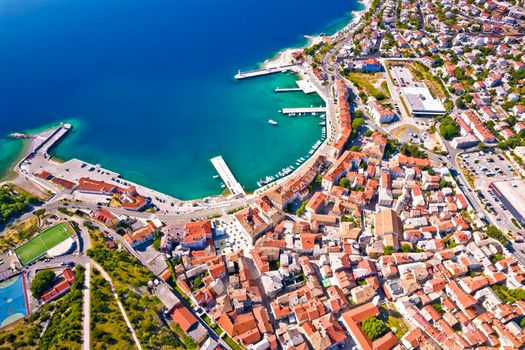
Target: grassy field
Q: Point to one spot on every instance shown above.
(46, 240)
(107, 324)
(431, 82)
(125, 270)
(16, 234)
(130, 279)
(394, 320)
(365, 82)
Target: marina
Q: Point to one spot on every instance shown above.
(289, 169)
(227, 176)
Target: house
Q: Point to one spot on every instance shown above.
(369, 65)
(87, 185)
(140, 236)
(105, 217)
(196, 234)
(381, 114)
(65, 281)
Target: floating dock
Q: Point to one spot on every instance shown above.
(304, 110)
(226, 175)
(264, 71)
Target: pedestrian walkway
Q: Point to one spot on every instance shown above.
(87, 308)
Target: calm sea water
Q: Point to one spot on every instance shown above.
(149, 85)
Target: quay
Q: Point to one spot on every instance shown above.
(304, 110)
(226, 175)
(264, 71)
(57, 134)
(287, 89)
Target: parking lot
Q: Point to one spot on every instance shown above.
(487, 168)
(402, 76)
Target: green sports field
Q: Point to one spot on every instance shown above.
(44, 241)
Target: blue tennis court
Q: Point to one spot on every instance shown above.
(13, 301)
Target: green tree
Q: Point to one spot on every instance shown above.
(42, 282)
(373, 328)
(344, 182)
(494, 232)
(448, 128)
(40, 212)
(406, 248)
(388, 250)
(438, 307)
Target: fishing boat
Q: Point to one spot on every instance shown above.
(273, 122)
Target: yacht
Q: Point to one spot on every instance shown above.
(273, 122)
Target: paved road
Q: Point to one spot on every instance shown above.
(198, 213)
(87, 308)
(110, 281)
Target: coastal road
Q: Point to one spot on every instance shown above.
(202, 212)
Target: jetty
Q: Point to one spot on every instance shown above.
(226, 175)
(288, 89)
(55, 136)
(17, 135)
(303, 110)
(303, 85)
(264, 71)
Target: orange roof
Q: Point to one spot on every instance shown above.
(183, 317)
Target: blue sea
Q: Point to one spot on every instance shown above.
(149, 87)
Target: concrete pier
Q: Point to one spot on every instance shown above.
(53, 138)
(304, 110)
(264, 71)
(226, 175)
(287, 89)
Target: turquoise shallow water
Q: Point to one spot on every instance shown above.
(150, 88)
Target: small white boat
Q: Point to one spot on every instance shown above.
(322, 123)
(323, 116)
(258, 184)
(215, 176)
(273, 122)
(223, 185)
